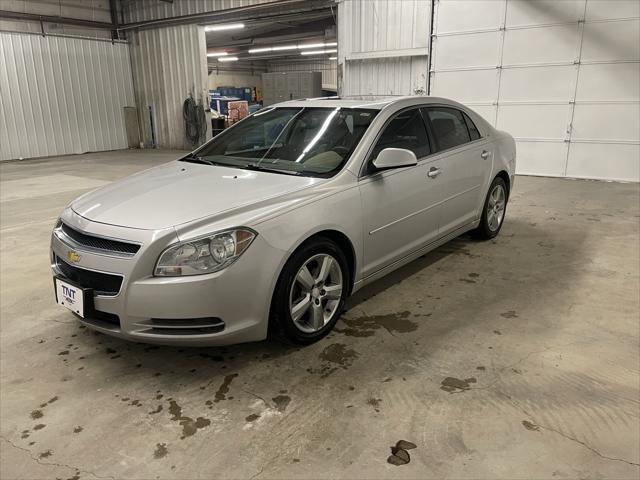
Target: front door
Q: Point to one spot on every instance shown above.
(400, 207)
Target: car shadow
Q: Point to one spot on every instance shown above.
(509, 258)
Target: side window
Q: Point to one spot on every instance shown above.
(407, 130)
(473, 130)
(448, 126)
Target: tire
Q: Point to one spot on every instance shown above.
(292, 319)
(493, 211)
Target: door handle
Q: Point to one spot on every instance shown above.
(433, 172)
(485, 154)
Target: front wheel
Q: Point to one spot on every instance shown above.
(310, 293)
(495, 207)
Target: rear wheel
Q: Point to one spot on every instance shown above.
(310, 293)
(495, 207)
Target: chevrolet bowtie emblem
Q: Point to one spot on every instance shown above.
(73, 256)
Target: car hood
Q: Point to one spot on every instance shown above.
(181, 192)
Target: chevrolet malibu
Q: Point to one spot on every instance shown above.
(268, 227)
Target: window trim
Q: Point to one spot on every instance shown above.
(364, 168)
(467, 121)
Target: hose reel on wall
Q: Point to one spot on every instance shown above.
(195, 121)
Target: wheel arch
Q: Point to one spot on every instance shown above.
(507, 181)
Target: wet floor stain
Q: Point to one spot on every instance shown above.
(339, 353)
(160, 451)
(253, 417)
(35, 414)
(366, 326)
(399, 453)
(157, 410)
(221, 394)
(281, 402)
(530, 426)
(509, 314)
(497, 332)
(454, 385)
(467, 280)
(64, 352)
(77, 429)
(474, 275)
(375, 403)
(481, 368)
(39, 426)
(189, 425)
(45, 454)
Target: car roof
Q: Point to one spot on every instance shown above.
(371, 103)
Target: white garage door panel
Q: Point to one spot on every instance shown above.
(541, 158)
(604, 161)
(619, 122)
(537, 83)
(567, 82)
(607, 9)
(475, 50)
(474, 86)
(543, 12)
(462, 15)
(488, 112)
(618, 40)
(534, 121)
(552, 45)
(609, 82)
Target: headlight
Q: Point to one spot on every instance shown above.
(205, 254)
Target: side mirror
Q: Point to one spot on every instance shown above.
(395, 158)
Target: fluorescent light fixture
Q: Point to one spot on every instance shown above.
(228, 59)
(333, 58)
(217, 54)
(318, 52)
(228, 26)
(292, 47)
(285, 47)
(317, 45)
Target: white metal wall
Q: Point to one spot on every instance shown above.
(383, 47)
(142, 10)
(563, 77)
(62, 95)
(327, 67)
(96, 10)
(168, 64)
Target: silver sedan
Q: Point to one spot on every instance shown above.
(267, 228)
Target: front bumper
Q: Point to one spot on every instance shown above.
(222, 308)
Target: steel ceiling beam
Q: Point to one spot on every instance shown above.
(33, 17)
(260, 11)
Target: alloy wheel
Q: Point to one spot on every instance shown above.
(315, 293)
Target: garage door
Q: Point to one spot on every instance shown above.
(563, 77)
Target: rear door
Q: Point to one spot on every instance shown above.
(400, 206)
(464, 161)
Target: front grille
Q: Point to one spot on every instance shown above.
(101, 283)
(106, 320)
(99, 243)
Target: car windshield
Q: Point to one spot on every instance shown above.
(298, 141)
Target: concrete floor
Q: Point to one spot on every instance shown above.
(514, 358)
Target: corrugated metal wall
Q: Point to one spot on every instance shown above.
(383, 47)
(327, 67)
(142, 10)
(62, 95)
(168, 64)
(95, 10)
(561, 77)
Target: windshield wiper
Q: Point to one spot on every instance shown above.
(260, 168)
(196, 159)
